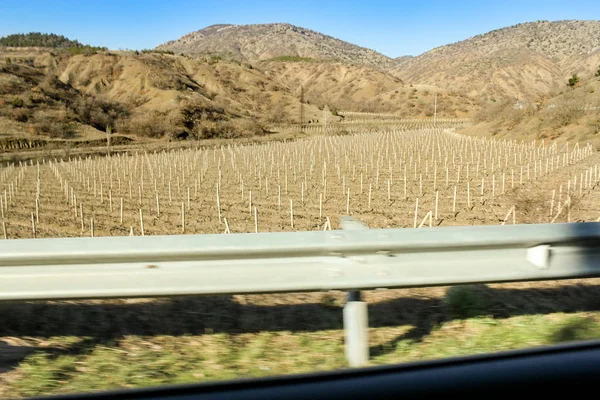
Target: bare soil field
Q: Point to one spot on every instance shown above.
(391, 179)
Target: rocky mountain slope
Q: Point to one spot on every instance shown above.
(357, 88)
(252, 43)
(522, 61)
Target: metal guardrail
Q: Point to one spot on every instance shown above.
(104, 267)
(351, 260)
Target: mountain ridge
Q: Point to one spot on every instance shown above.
(259, 42)
(523, 60)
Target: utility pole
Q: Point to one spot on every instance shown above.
(302, 109)
(108, 133)
(434, 109)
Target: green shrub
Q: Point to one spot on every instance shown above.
(292, 59)
(17, 102)
(573, 81)
(464, 302)
(154, 51)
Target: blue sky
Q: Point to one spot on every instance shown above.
(393, 28)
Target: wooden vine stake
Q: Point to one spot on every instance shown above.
(4, 230)
(142, 222)
(348, 202)
(436, 204)
(278, 197)
(182, 217)
(255, 220)
(33, 225)
(327, 226)
(219, 202)
(560, 208)
(454, 201)
(292, 213)
(416, 212)
(511, 211)
(81, 217)
(468, 195)
(250, 202)
(427, 216)
(320, 206)
(389, 191)
(481, 194)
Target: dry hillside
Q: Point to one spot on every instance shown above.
(521, 61)
(237, 80)
(153, 95)
(51, 95)
(252, 43)
(572, 113)
(357, 88)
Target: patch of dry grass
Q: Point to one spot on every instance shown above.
(70, 346)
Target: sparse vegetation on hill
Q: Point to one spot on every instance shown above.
(293, 59)
(50, 107)
(524, 60)
(159, 95)
(148, 94)
(259, 42)
(37, 39)
(50, 40)
(149, 51)
(571, 114)
(355, 88)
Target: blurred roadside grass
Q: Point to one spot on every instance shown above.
(68, 363)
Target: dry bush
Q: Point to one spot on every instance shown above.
(95, 111)
(19, 114)
(565, 113)
(493, 110)
(98, 112)
(150, 124)
(10, 84)
(235, 128)
(53, 127)
(194, 110)
(277, 114)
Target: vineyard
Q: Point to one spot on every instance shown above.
(392, 178)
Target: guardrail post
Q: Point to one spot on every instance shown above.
(356, 318)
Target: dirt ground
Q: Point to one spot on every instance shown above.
(315, 179)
